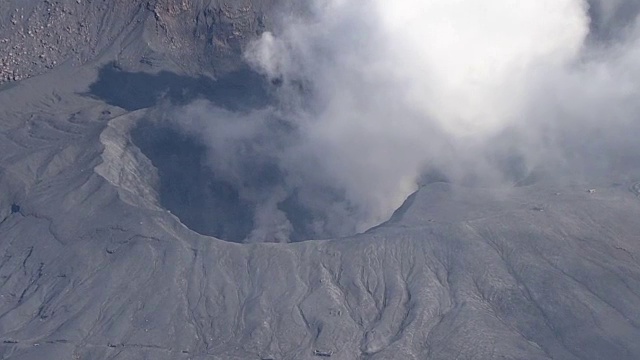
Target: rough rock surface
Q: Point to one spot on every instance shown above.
(191, 36)
(92, 266)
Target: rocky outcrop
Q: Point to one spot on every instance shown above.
(200, 36)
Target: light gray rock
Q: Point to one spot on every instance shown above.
(93, 267)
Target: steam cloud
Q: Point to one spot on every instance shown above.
(374, 94)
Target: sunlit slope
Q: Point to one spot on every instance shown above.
(93, 268)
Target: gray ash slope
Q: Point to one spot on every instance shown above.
(93, 267)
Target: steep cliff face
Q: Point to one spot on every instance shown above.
(41, 35)
(201, 36)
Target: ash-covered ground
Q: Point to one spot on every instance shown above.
(120, 237)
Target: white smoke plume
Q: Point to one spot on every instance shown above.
(373, 94)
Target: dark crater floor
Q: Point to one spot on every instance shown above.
(205, 202)
(189, 189)
(238, 90)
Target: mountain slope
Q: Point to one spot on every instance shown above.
(93, 267)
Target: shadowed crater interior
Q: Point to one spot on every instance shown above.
(259, 205)
(239, 89)
(211, 206)
(189, 189)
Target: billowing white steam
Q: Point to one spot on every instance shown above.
(464, 64)
(379, 91)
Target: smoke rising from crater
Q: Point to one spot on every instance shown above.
(371, 95)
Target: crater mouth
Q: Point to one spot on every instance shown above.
(226, 160)
(211, 205)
